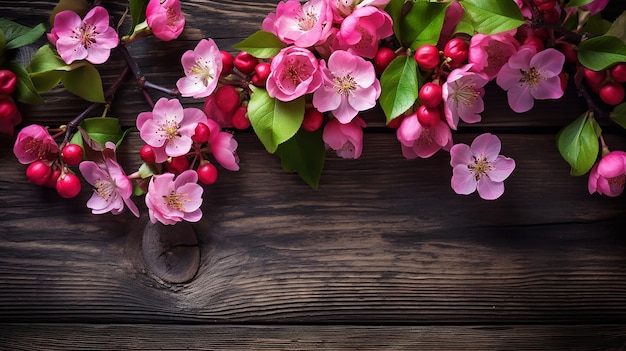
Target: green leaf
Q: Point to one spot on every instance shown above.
(395, 9)
(617, 28)
(261, 44)
(3, 41)
(578, 143)
(101, 130)
(492, 16)
(618, 115)
(596, 25)
(84, 82)
(26, 91)
(28, 37)
(45, 59)
(599, 53)
(304, 154)
(399, 86)
(423, 23)
(46, 81)
(137, 12)
(575, 3)
(274, 121)
(465, 26)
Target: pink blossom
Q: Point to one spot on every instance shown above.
(362, 29)
(294, 73)
(524, 8)
(595, 6)
(112, 188)
(488, 53)
(463, 96)
(528, 76)
(343, 8)
(169, 128)
(454, 14)
(303, 25)
(172, 200)
(418, 141)
(35, 143)
(349, 86)
(345, 139)
(225, 120)
(203, 66)
(165, 19)
(480, 167)
(607, 177)
(90, 39)
(223, 146)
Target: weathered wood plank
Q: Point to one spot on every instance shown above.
(16, 337)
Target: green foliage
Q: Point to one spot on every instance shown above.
(575, 3)
(617, 28)
(618, 115)
(421, 24)
(578, 143)
(596, 25)
(26, 91)
(17, 35)
(84, 82)
(492, 16)
(399, 86)
(261, 44)
(274, 121)
(99, 130)
(599, 53)
(137, 11)
(304, 154)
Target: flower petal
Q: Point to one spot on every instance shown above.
(490, 190)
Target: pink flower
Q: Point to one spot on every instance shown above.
(528, 76)
(349, 86)
(294, 73)
(112, 188)
(223, 146)
(165, 19)
(480, 167)
(463, 96)
(203, 66)
(362, 29)
(418, 141)
(345, 139)
(343, 8)
(607, 177)
(90, 39)
(595, 6)
(169, 128)
(488, 53)
(225, 120)
(35, 143)
(172, 200)
(303, 25)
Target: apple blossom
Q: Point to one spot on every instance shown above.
(608, 176)
(349, 86)
(303, 25)
(488, 53)
(112, 188)
(203, 66)
(462, 95)
(345, 139)
(595, 6)
(165, 19)
(362, 29)
(223, 146)
(294, 73)
(34, 143)
(169, 128)
(90, 39)
(480, 166)
(419, 141)
(529, 75)
(170, 200)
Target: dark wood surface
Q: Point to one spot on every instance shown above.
(384, 256)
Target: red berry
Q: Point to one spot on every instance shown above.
(147, 154)
(8, 108)
(428, 117)
(72, 154)
(594, 78)
(568, 50)
(227, 98)
(457, 50)
(564, 78)
(612, 93)
(177, 165)
(54, 176)
(313, 120)
(383, 58)
(427, 56)
(245, 62)
(551, 16)
(207, 173)
(240, 119)
(430, 94)
(536, 42)
(38, 173)
(68, 185)
(227, 62)
(8, 82)
(201, 134)
(261, 72)
(618, 72)
(545, 5)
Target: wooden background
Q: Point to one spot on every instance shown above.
(384, 256)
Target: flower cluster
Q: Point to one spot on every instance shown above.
(302, 83)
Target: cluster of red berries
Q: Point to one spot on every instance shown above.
(9, 114)
(608, 84)
(52, 171)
